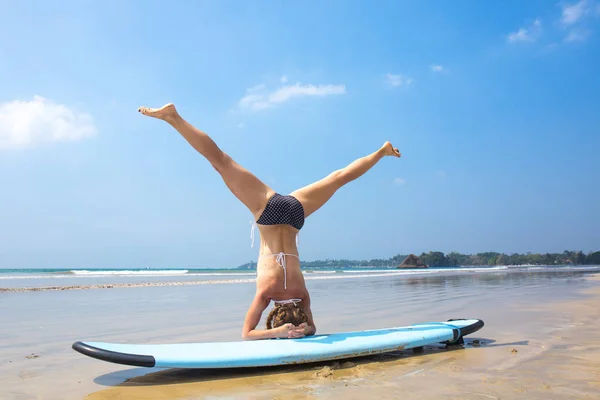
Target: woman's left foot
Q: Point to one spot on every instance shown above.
(389, 150)
(166, 112)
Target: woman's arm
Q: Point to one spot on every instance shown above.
(310, 328)
(252, 319)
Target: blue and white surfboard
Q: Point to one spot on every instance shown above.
(259, 353)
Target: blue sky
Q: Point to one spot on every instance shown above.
(494, 106)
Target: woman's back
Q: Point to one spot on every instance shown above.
(279, 275)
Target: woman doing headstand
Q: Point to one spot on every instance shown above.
(279, 219)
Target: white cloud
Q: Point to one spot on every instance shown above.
(577, 35)
(519, 36)
(529, 34)
(398, 80)
(259, 99)
(254, 102)
(257, 88)
(28, 123)
(287, 92)
(437, 68)
(284, 79)
(573, 13)
(573, 17)
(399, 181)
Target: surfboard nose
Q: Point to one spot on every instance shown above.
(468, 329)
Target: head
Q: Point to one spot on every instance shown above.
(285, 313)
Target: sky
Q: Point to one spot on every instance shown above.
(493, 105)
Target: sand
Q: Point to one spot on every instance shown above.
(540, 342)
(565, 366)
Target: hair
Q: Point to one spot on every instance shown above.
(282, 314)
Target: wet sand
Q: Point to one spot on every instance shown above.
(539, 342)
(123, 285)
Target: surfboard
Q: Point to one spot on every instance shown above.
(260, 353)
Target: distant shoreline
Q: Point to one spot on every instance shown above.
(458, 260)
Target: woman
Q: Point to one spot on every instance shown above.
(279, 219)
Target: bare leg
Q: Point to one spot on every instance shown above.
(243, 184)
(316, 194)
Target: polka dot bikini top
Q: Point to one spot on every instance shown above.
(281, 210)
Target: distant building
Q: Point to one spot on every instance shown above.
(412, 261)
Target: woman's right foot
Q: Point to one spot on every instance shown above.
(389, 150)
(166, 112)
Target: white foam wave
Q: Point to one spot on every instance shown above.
(33, 276)
(130, 272)
(222, 274)
(473, 269)
(363, 271)
(318, 272)
(314, 275)
(377, 275)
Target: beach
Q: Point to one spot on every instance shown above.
(539, 340)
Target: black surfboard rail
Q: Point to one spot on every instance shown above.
(460, 333)
(137, 360)
(467, 330)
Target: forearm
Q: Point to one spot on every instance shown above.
(258, 334)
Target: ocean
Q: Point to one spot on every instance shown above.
(537, 321)
(54, 278)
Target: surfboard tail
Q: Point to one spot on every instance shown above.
(137, 360)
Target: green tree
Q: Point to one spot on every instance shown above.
(455, 259)
(502, 259)
(488, 258)
(434, 259)
(437, 259)
(593, 258)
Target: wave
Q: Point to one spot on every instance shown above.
(233, 274)
(318, 272)
(180, 283)
(246, 280)
(375, 275)
(472, 269)
(138, 274)
(363, 271)
(222, 274)
(130, 272)
(33, 276)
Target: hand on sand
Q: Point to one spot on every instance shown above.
(290, 331)
(390, 150)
